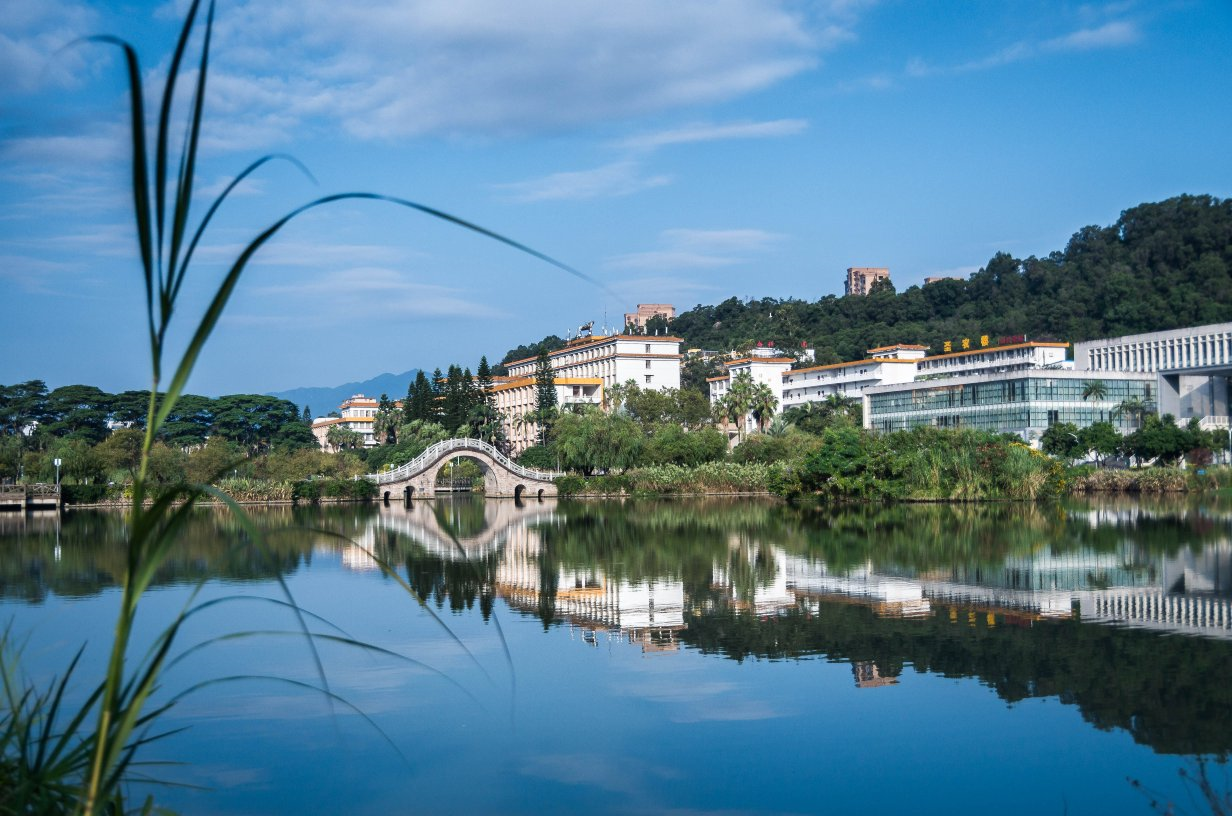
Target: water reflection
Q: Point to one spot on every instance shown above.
(1065, 601)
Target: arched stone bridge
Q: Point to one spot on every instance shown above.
(502, 477)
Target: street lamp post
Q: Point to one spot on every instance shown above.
(57, 475)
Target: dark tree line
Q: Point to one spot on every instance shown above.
(37, 417)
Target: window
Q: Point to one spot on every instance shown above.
(649, 378)
(1053, 418)
(647, 348)
(647, 364)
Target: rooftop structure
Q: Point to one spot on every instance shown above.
(645, 311)
(860, 279)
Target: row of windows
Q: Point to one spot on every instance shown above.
(1152, 355)
(1024, 389)
(1007, 420)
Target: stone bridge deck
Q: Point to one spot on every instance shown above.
(502, 477)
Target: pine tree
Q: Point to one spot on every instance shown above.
(307, 415)
(545, 393)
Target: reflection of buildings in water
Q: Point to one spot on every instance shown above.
(757, 595)
(643, 612)
(889, 596)
(1187, 593)
(868, 675)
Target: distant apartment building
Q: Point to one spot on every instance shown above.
(938, 278)
(357, 413)
(860, 279)
(645, 311)
(583, 370)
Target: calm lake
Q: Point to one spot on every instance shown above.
(668, 656)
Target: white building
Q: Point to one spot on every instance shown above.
(516, 399)
(1192, 367)
(994, 359)
(651, 362)
(583, 370)
(764, 365)
(889, 364)
(357, 413)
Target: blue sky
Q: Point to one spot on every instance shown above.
(679, 152)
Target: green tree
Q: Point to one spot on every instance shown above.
(388, 417)
(420, 405)
(762, 404)
(77, 412)
(1094, 390)
(1062, 439)
(545, 394)
(1101, 437)
(590, 440)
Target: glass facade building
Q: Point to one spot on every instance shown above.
(1024, 402)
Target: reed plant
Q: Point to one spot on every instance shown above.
(49, 765)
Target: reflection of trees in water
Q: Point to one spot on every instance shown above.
(86, 554)
(458, 582)
(1170, 693)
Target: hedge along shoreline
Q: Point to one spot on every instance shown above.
(244, 491)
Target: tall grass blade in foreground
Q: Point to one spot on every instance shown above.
(86, 772)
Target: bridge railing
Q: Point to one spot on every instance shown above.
(433, 453)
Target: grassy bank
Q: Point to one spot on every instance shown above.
(712, 478)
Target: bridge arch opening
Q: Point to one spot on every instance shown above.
(385, 497)
(449, 477)
(518, 491)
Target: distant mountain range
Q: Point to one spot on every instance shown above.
(322, 400)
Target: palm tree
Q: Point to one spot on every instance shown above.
(739, 401)
(762, 403)
(1134, 407)
(1094, 390)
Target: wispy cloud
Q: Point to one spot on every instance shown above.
(617, 179)
(715, 132)
(698, 249)
(372, 292)
(1110, 35)
(1114, 34)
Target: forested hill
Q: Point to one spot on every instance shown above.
(1160, 266)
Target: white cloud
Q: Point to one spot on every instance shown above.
(397, 68)
(32, 40)
(697, 249)
(1115, 34)
(617, 179)
(713, 132)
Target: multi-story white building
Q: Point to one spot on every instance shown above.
(651, 362)
(516, 400)
(889, 364)
(764, 365)
(583, 370)
(357, 413)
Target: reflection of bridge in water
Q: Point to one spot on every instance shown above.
(1189, 592)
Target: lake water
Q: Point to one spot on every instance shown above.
(678, 657)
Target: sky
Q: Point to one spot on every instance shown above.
(676, 152)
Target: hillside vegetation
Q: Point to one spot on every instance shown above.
(1160, 266)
